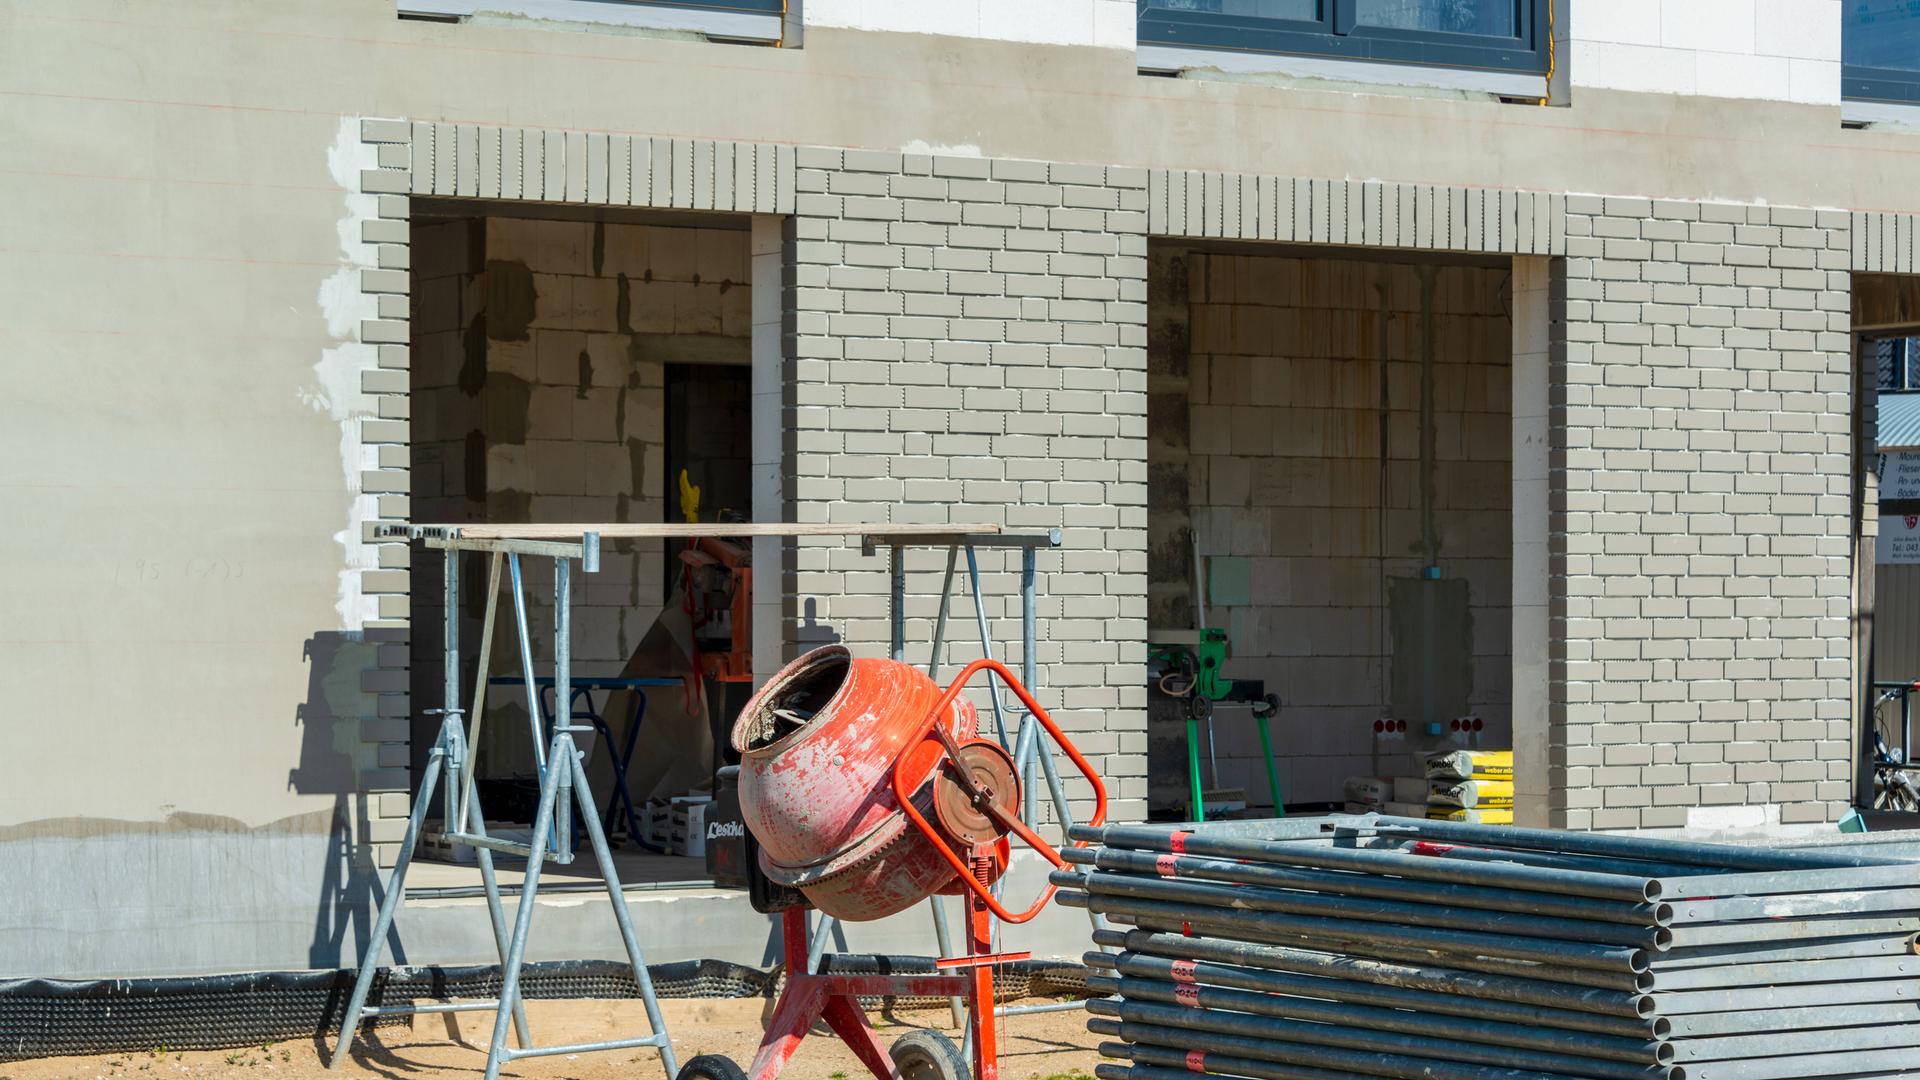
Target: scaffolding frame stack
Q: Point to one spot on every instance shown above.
(1407, 948)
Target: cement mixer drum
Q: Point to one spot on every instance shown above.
(818, 744)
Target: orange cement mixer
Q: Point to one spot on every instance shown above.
(868, 790)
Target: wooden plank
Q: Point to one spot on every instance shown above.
(683, 530)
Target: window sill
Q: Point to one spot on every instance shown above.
(732, 25)
(1172, 59)
(1880, 114)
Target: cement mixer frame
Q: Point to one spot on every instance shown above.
(971, 795)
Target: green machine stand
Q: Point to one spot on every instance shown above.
(1208, 688)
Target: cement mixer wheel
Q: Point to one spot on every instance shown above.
(711, 1067)
(927, 1055)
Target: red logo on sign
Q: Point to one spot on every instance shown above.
(1912, 520)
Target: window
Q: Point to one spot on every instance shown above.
(1880, 51)
(1491, 35)
(1898, 360)
(752, 20)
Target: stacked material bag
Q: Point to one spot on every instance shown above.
(1413, 949)
(1471, 785)
(1366, 794)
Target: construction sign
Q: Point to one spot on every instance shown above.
(1899, 542)
(1899, 476)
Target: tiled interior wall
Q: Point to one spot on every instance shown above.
(540, 361)
(1286, 489)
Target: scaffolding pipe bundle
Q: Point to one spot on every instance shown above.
(1397, 947)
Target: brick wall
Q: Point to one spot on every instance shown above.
(1701, 499)
(1287, 491)
(964, 339)
(968, 345)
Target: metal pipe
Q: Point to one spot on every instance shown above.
(1626, 982)
(1761, 999)
(944, 937)
(1725, 856)
(1283, 1040)
(1769, 953)
(817, 942)
(480, 682)
(986, 650)
(1105, 1071)
(940, 623)
(1854, 1041)
(1379, 887)
(452, 793)
(1029, 670)
(1223, 923)
(1450, 1000)
(563, 707)
(666, 1049)
(1637, 868)
(897, 608)
(1482, 1029)
(1628, 1005)
(526, 663)
(1256, 898)
(1050, 1007)
(1867, 1016)
(621, 917)
(490, 886)
(429, 1007)
(1788, 881)
(1237, 1057)
(1398, 864)
(523, 915)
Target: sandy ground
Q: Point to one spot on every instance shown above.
(1046, 1046)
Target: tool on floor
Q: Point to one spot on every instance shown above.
(869, 790)
(1196, 672)
(563, 792)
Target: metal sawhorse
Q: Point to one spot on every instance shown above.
(563, 792)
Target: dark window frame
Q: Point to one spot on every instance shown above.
(1335, 35)
(745, 7)
(1887, 85)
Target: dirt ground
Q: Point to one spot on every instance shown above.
(1044, 1046)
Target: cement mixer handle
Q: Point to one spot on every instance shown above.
(903, 791)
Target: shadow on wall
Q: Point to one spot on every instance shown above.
(341, 732)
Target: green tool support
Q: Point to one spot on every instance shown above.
(1206, 687)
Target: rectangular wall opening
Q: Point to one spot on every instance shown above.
(569, 366)
(1332, 432)
(1886, 318)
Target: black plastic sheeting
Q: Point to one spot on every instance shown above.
(49, 1017)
